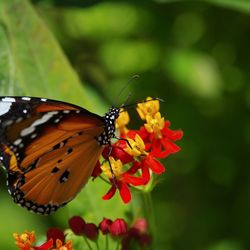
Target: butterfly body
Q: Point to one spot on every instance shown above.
(49, 149)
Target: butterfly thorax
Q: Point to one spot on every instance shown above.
(109, 126)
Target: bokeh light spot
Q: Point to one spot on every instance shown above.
(188, 28)
(124, 57)
(194, 71)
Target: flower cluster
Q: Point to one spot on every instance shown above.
(134, 157)
(55, 241)
(119, 230)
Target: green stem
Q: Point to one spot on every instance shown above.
(97, 245)
(88, 244)
(118, 244)
(107, 242)
(149, 212)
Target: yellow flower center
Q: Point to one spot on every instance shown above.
(137, 146)
(122, 121)
(25, 239)
(148, 108)
(116, 166)
(155, 124)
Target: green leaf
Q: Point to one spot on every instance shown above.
(31, 61)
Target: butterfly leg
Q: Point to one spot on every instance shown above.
(111, 169)
(124, 139)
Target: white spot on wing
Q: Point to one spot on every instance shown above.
(44, 118)
(4, 107)
(33, 136)
(39, 121)
(17, 141)
(27, 131)
(8, 99)
(43, 99)
(25, 98)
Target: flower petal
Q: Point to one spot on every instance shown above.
(110, 193)
(171, 134)
(138, 180)
(154, 165)
(45, 246)
(124, 192)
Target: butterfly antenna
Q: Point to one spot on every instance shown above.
(143, 101)
(124, 87)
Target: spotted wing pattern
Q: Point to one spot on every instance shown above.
(49, 149)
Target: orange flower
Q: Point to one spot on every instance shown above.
(63, 246)
(25, 240)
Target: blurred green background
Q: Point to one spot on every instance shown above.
(194, 55)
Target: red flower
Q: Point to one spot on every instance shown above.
(123, 190)
(118, 152)
(80, 227)
(91, 231)
(105, 225)
(141, 225)
(123, 180)
(77, 225)
(45, 246)
(97, 170)
(119, 227)
(57, 237)
(134, 157)
(54, 234)
(161, 147)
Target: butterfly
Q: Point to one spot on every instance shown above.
(49, 149)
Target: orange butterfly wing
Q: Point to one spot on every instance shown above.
(55, 155)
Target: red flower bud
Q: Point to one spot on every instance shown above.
(105, 225)
(97, 170)
(119, 227)
(77, 225)
(145, 240)
(54, 234)
(91, 231)
(141, 225)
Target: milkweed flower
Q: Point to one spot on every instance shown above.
(137, 232)
(119, 182)
(135, 156)
(119, 227)
(77, 225)
(25, 240)
(55, 241)
(122, 121)
(148, 108)
(91, 231)
(105, 225)
(63, 246)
